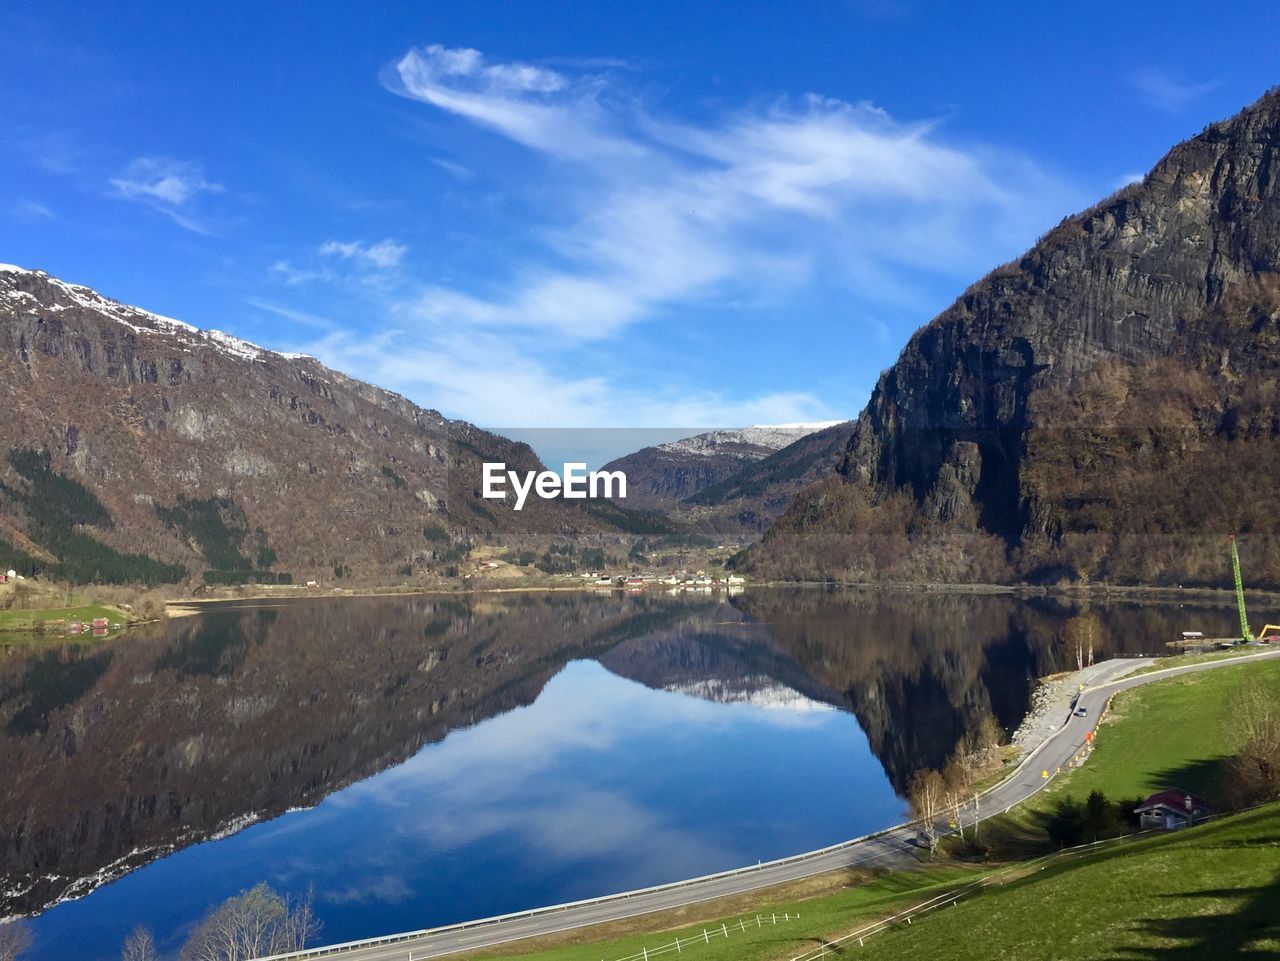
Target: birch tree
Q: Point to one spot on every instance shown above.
(253, 924)
(926, 795)
(139, 946)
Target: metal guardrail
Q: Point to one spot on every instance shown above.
(392, 939)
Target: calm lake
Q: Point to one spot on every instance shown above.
(418, 761)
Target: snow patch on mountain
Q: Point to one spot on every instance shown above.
(760, 692)
(142, 322)
(767, 437)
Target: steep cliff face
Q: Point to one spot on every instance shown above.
(1075, 393)
(145, 411)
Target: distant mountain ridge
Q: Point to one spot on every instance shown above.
(756, 442)
(734, 480)
(1102, 408)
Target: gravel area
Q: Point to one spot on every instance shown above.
(1051, 699)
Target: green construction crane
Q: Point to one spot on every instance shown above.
(1235, 569)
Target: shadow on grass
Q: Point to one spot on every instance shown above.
(1235, 934)
(1236, 931)
(1203, 777)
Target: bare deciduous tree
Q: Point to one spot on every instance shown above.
(987, 738)
(926, 795)
(139, 946)
(959, 776)
(1081, 635)
(253, 924)
(1253, 775)
(15, 937)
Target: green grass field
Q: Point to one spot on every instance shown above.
(1203, 657)
(1209, 892)
(27, 621)
(1172, 733)
(818, 916)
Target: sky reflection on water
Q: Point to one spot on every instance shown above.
(600, 785)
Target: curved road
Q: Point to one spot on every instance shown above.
(894, 845)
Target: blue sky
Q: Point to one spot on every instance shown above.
(594, 214)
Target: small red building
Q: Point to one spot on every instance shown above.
(1172, 809)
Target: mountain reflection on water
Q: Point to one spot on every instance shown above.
(680, 735)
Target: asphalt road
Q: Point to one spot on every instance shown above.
(895, 846)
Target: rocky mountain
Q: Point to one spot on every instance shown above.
(732, 482)
(758, 493)
(662, 476)
(134, 447)
(1102, 408)
(719, 655)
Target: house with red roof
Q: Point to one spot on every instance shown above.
(1171, 809)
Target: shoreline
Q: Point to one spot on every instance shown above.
(1084, 591)
(1212, 595)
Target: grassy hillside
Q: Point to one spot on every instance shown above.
(857, 898)
(1177, 732)
(1173, 733)
(1210, 892)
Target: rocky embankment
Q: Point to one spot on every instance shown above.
(1052, 697)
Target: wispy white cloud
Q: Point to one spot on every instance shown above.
(296, 276)
(456, 170)
(163, 180)
(30, 210)
(537, 107)
(648, 215)
(166, 185)
(383, 255)
(1164, 92)
(54, 151)
(663, 211)
(302, 317)
(508, 379)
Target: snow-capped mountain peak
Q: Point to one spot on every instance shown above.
(767, 437)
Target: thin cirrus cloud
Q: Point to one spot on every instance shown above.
(511, 378)
(384, 254)
(166, 181)
(653, 214)
(166, 185)
(365, 262)
(1161, 90)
